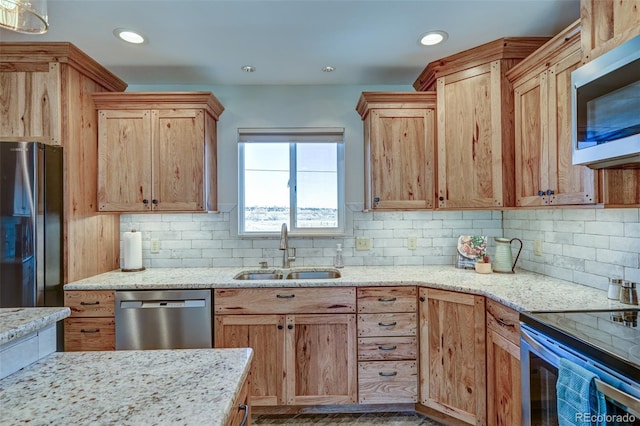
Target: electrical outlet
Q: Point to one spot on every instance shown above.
(537, 247)
(363, 243)
(412, 243)
(155, 245)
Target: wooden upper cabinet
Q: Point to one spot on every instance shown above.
(399, 133)
(544, 173)
(475, 138)
(36, 79)
(157, 151)
(607, 24)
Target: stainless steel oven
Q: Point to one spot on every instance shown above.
(548, 337)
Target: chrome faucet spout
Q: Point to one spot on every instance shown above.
(284, 246)
(284, 237)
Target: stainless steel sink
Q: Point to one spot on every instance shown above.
(259, 275)
(289, 274)
(313, 275)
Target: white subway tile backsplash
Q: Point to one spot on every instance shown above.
(581, 245)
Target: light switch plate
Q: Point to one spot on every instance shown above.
(537, 247)
(155, 245)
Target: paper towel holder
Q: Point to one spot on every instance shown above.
(142, 268)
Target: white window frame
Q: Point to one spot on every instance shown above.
(293, 136)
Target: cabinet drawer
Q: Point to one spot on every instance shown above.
(399, 324)
(90, 303)
(387, 348)
(89, 334)
(387, 382)
(340, 300)
(386, 299)
(505, 321)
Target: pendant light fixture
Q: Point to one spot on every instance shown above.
(24, 16)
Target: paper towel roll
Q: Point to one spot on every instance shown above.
(132, 250)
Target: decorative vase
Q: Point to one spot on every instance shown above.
(483, 268)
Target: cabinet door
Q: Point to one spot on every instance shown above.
(452, 354)
(503, 381)
(178, 160)
(321, 365)
(124, 160)
(401, 158)
(470, 138)
(265, 335)
(531, 140)
(570, 184)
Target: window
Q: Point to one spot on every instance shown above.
(292, 176)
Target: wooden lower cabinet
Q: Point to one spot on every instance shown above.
(265, 334)
(91, 326)
(298, 359)
(504, 404)
(242, 404)
(452, 354)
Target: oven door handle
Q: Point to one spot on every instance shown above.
(629, 401)
(544, 353)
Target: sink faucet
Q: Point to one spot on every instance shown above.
(284, 245)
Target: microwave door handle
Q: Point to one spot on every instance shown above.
(631, 402)
(544, 353)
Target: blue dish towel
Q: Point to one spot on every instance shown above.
(579, 401)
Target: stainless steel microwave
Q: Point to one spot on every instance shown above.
(605, 102)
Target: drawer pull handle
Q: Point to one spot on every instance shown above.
(244, 407)
(94, 331)
(285, 296)
(97, 302)
(383, 374)
(387, 324)
(387, 348)
(387, 299)
(504, 323)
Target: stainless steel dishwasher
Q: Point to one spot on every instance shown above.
(168, 319)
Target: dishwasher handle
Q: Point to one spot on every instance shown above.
(162, 304)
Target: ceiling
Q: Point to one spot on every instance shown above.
(369, 42)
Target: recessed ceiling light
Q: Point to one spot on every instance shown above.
(129, 36)
(432, 38)
(328, 68)
(248, 68)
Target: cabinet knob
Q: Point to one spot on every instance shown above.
(422, 298)
(155, 202)
(441, 198)
(290, 326)
(145, 201)
(280, 327)
(540, 193)
(550, 192)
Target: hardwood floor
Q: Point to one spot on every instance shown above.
(391, 419)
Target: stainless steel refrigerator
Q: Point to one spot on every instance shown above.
(31, 227)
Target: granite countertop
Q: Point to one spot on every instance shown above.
(522, 291)
(18, 322)
(176, 387)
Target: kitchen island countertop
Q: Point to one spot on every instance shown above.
(18, 322)
(186, 387)
(522, 291)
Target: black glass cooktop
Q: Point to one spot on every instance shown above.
(611, 337)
